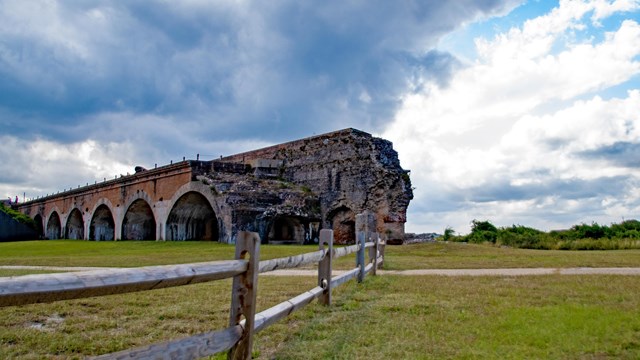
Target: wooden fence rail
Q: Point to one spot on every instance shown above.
(40, 288)
(243, 322)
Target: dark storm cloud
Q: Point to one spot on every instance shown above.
(435, 65)
(621, 153)
(270, 70)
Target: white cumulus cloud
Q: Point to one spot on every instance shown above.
(521, 135)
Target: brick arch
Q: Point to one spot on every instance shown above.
(102, 231)
(103, 201)
(213, 226)
(53, 232)
(139, 195)
(40, 226)
(195, 186)
(139, 222)
(51, 211)
(78, 231)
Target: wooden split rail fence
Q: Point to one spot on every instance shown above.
(244, 322)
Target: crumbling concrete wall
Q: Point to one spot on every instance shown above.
(279, 211)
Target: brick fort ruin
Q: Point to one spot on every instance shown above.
(286, 193)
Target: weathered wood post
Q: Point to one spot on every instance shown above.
(373, 253)
(243, 293)
(360, 255)
(365, 225)
(381, 246)
(324, 266)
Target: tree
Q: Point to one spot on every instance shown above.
(448, 233)
(482, 231)
(477, 225)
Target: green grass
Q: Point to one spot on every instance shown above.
(78, 328)
(386, 317)
(419, 256)
(546, 317)
(127, 253)
(452, 255)
(19, 272)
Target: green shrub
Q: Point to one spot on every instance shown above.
(482, 231)
(482, 236)
(477, 226)
(18, 216)
(448, 233)
(593, 231)
(625, 235)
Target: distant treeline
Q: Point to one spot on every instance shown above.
(625, 235)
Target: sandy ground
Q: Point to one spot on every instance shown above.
(419, 272)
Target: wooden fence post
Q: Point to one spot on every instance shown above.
(373, 253)
(362, 238)
(243, 293)
(381, 246)
(324, 267)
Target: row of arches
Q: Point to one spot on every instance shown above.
(191, 218)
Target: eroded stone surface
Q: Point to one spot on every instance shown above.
(349, 171)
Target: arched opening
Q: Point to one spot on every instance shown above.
(343, 223)
(39, 226)
(75, 226)
(102, 227)
(286, 230)
(53, 226)
(192, 218)
(138, 222)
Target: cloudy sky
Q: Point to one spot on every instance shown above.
(517, 112)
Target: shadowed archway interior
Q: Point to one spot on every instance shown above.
(287, 230)
(75, 226)
(39, 227)
(192, 218)
(102, 226)
(139, 222)
(53, 230)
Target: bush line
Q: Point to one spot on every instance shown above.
(625, 235)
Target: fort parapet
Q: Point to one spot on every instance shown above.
(285, 192)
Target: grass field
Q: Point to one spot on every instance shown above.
(550, 317)
(386, 317)
(419, 256)
(442, 255)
